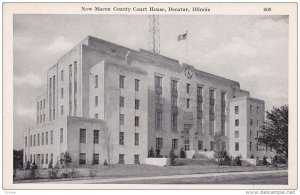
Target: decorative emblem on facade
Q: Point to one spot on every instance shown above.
(188, 73)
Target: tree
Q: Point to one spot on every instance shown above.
(67, 159)
(108, 144)
(219, 146)
(18, 158)
(172, 157)
(274, 133)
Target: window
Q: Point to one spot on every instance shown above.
(61, 135)
(251, 122)
(121, 158)
(250, 146)
(136, 139)
(174, 100)
(136, 85)
(257, 123)
(250, 109)
(237, 146)
(174, 121)
(211, 127)
(25, 141)
(44, 116)
(199, 91)
(38, 140)
(96, 116)
(121, 81)
(250, 133)
(188, 88)
(31, 140)
(82, 136)
(175, 144)
(62, 93)
(51, 137)
(137, 104)
(136, 159)
(96, 136)
(200, 145)
(46, 158)
(96, 101)
(159, 143)
(257, 110)
(122, 101)
(82, 158)
(211, 94)
(46, 138)
(236, 109)
(212, 144)
(51, 157)
(121, 138)
(174, 85)
(96, 81)
(121, 119)
(158, 120)
(236, 134)
(137, 121)
(158, 82)
(186, 145)
(34, 141)
(237, 122)
(188, 103)
(42, 158)
(95, 159)
(61, 110)
(62, 75)
(42, 138)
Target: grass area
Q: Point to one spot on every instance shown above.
(117, 171)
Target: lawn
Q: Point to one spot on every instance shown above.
(117, 171)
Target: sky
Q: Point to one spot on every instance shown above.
(252, 50)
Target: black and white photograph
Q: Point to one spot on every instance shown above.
(172, 96)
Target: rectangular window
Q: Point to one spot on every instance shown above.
(122, 101)
(186, 145)
(250, 109)
(31, 140)
(62, 93)
(236, 134)
(38, 140)
(96, 136)
(82, 136)
(96, 116)
(257, 110)
(250, 133)
(82, 158)
(236, 109)
(121, 119)
(136, 121)
(188, 103)
(250, 146)
(96, 81)
(25, 141)
(137, 104)
(61, 110)
(62, 75)
(237, 146)
(51, 157)
(34, 141)
(121, 138)
(121, 158)
(122, 80)
(136, 85)
(174, 85)
(211, 127)
(51, 137)
(173, 100)
(251, 122)
(175, 144)
(61, 135)
(46, 158)
(159, 143)
(44, 116)
(188, 88)
(136, 159)
(42, 138)
(42, 158)
(174, 121)
(136, 139)
(158, 120)
(200, 145)
(158, 82)
(212, 144)
(199, 91)
(95, 159)
(96, 101)
(237, 122)
(46, 138)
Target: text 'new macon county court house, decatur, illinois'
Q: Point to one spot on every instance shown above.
(140, 100)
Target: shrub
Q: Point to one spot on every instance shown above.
(182, 153)
(238, 161)
(172, 157)
(225, 159)
(27, 166)
(105, 163)
(151, 153)
(157, 152)
(265, 162)
(34, 171)
(93, 172)
(53, 173)
(74, 173)
(50, 166)
(67, 159)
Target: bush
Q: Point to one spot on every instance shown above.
(172, 157)
(265, 162)
(236, 161)
(105, 163)
(157, 153)
(225, 159)
(182, 153)
(34, 173)
(93, 172)
(27, 166)
(151, 153)
(50, 166)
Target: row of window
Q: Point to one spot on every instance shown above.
(39, 158)
(82, 136)
(136, 103)
(136, 120)
(82, 158)
(122, 139)
(42, 139)
(41, 105)
(122, 83)
(236, 109)
(237, 122)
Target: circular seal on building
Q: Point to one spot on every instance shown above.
(188, 73)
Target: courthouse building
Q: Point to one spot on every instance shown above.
(139, 100)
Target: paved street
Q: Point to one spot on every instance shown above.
(259, 177)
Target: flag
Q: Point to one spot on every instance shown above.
(182, 37)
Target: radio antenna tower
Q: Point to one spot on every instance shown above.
(153, 34)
